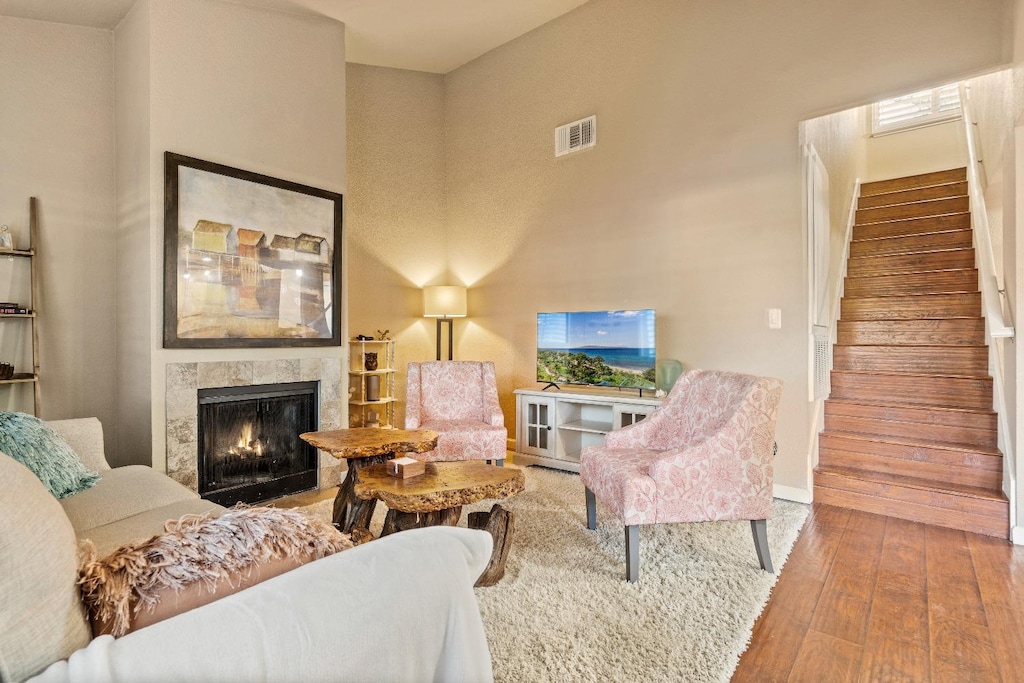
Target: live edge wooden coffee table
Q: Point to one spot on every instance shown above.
(436, 498)
(364, 447)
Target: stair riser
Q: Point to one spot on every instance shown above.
(959, 331)
(911, 430)
(917, 359)
(917, 194)
(864, 266)
(936, 207)
(979, 524)
(966, 505)
(938, 473)
(912, 307)
(953, 175)
(932, 391)
(912, 226)
(985, 419)
(912, 244)
(945, 457)
(947, 282)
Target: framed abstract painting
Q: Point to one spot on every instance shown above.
(249, 260)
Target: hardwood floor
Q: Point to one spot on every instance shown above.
(865, 597)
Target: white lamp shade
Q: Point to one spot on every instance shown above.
(444, 301)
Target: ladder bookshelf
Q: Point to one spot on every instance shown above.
(31, 309)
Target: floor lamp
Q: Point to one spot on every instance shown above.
(444, 302)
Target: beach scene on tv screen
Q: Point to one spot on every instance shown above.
(603, 348)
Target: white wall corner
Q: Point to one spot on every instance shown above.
(793, 493)
(1017, 535)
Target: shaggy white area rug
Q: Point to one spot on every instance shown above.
(564, 612)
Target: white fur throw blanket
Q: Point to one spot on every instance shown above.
(198, 548)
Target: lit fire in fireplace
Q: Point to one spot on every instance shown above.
(247, 447)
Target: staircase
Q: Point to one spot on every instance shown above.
(909, 426)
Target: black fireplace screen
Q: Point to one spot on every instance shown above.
(249, 445)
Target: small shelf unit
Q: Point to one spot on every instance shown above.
(553, 427)
(360, 408)
(31, 316)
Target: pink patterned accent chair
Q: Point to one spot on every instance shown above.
(458, 399)
(705, 454)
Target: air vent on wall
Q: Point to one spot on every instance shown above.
(576, 136)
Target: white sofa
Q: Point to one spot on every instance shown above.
(400, 608)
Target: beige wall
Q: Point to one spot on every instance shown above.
(56, 143)
(135, 279)
(916, 151)
(394, 209)
(690, 203)
(251, 88)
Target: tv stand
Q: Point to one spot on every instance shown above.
(552, 429)
(549, 385)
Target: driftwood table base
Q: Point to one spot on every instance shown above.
(364, 447)
(436, 498)
(349, 510)
(499, 524)
(397, 520)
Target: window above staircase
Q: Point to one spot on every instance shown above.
(915, 110)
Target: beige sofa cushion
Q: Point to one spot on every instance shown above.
(85, 436)
(109, 537)
(121, 493)
(41, 614)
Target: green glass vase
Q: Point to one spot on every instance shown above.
(666, 372)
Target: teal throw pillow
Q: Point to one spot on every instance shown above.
(35, 445)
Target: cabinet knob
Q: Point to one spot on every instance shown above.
(548, 427)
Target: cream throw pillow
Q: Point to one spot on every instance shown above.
(42, 619)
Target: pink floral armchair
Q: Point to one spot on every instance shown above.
(459, 400)
(705, 454)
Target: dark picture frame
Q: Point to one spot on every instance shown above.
(250, 261)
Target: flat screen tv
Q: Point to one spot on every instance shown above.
(597, 348)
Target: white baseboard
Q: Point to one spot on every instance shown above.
(792, 493)
(1017, 535)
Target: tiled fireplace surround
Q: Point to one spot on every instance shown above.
(182, 404)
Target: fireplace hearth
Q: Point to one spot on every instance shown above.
(249, 445)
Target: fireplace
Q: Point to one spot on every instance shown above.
(249, 445)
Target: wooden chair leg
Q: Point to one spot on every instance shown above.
(632, 553)
(591, 509)
(760, 529)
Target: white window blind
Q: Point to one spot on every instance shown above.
(915, 110)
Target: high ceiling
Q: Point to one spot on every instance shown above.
(423, 35)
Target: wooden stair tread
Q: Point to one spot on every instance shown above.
(905, 219)
(882, 238)
(952, 188)
(884, 404)
(919, 484)
(912, 272)
(910, 346)
(935, 230)
(928, 209)
(872, 373)
(922, 250)
(947, 175)
(921, 201)
(912, 442)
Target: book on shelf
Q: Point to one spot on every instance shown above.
(13, 310)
